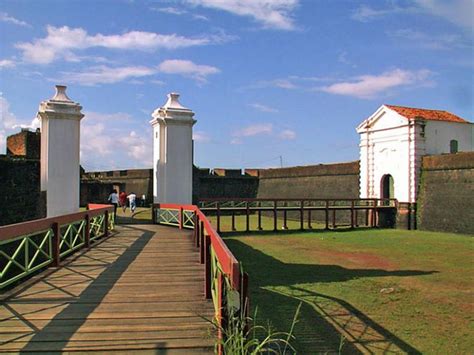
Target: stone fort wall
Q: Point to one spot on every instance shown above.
(339, 180)
(446, 195)
(446, 188)
(20, 196)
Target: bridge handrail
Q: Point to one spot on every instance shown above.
(29, 246)
(223, 277)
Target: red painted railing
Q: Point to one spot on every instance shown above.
(30, 246)
(222, 272)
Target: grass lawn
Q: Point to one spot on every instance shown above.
(383, 290)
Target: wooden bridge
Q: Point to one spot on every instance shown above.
(139, 288)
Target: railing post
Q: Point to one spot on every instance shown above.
(218, 218)
(153, 217)
(285, 226)
(180, 218)
(201, 243)
(233, 221)
(309, 218)
(196, 229)
(87, 235)
(221, 319)
(106, 224)
(56, 239)
(260, 220)
(302, 215)
(327, 214)
(275, 221)
(334, 218)
(352, 214)
(247, 214)
(207, 270)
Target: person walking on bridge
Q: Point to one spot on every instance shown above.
(123, 200)
(114, 200)
(132, 199)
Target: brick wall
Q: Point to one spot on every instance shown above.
(446, 194)
(20, 197)
(25, 143)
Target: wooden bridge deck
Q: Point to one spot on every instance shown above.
(139, 290)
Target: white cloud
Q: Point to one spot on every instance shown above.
(276, 14)
(4, 17)
(254, 130)
(366, 13)
(287, 134)
(430, 41)
(7, 63)
(60, 43)
(91, 116)
(170, 10)
(187, 68)
(263, 108)
(103, 140)
(201, 137)
(137, 147)
(106, 75)
(10, 124)
(458, 12)
(368, 86)
(276, 83)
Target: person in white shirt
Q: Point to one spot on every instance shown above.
(132, 201)
(114, 200)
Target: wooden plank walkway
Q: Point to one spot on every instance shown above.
(139, 290)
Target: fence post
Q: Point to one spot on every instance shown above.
(201, 243)
(56, 239)
(247, 213)
(327, 214)
(302, 215)
(275, 221)
(207, 270)
(87, 235)
(309, 218)
(196, 229)
(285, 226)
(352, 214)
(106, 224)
(218, 218)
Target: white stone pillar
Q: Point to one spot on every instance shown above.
(173, 152)
(60, 131)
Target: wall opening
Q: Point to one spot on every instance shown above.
(387, 187)
(453, 146)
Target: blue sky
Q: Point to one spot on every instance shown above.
(266, 78)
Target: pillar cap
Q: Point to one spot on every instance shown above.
(60, 106)
(172, 112)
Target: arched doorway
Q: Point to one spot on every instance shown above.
(386, 187)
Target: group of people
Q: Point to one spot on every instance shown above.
(121, 199)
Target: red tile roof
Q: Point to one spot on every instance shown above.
(433, 115)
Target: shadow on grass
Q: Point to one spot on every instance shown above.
(320, 328)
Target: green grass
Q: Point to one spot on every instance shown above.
(388, 290)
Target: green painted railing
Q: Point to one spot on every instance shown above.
(225, 284)
(30, 246)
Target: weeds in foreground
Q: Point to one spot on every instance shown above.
(242, 335)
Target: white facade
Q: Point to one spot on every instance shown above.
(392, 144)
(173, 152)
(60, 142)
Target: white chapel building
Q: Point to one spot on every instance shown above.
(393, 141)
